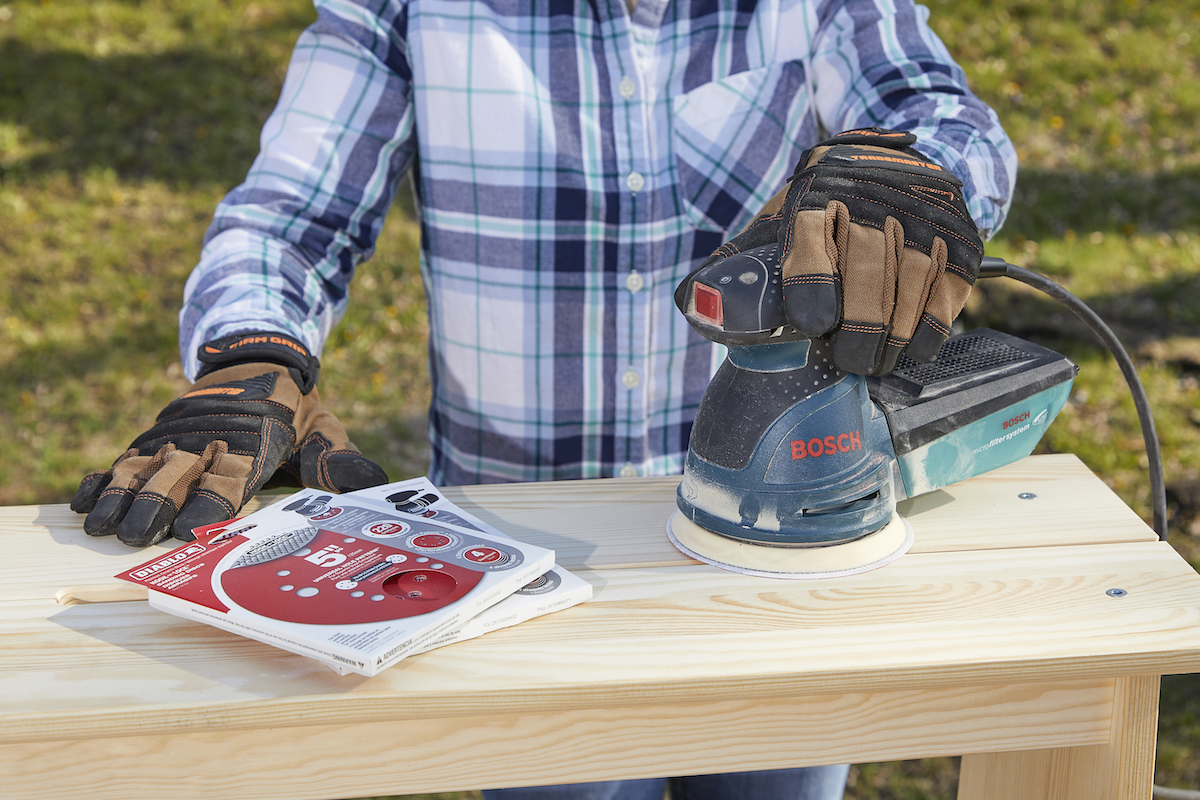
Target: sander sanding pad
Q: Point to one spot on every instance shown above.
(796, 563)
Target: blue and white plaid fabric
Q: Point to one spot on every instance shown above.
(572, 162)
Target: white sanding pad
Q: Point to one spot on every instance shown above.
(796, 563)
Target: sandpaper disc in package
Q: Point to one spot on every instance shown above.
(795, 563)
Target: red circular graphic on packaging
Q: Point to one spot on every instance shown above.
(383, 529)
(324, 515)
(483, 555)
(410, 593)
(431, 541)
(420, 584)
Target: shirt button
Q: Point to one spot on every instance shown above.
(634, 281)
(629, 471)
(627, 88)
(635, 181)
(630, 378)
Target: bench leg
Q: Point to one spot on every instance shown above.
(1123, 769)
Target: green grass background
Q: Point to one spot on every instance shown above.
(122, 123)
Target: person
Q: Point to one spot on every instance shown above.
(571, 162)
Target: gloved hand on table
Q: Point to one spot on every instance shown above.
(252, 418)
(876, 246)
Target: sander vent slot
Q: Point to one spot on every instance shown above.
(978, 374)
(840, 508)
(965, 355)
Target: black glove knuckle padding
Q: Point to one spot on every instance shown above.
(879, 188)
(194, 420)
(873, 178)
(216, 445)
(237, 414)
(923, 201)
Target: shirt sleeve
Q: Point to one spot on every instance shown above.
(877, 62)
(283, 246)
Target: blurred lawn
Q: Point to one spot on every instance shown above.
(122, 124)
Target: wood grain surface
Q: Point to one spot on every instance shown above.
(996, 633)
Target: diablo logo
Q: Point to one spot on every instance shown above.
(182, 554)
(1017, 420)
(827, 446)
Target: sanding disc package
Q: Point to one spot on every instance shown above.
(355, 582)
(553, 591)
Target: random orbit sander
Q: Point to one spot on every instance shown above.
(794, 468)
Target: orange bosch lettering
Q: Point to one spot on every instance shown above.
(826, 445)
(1016, 420)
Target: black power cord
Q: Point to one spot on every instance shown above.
(993, 267)
(996, 267)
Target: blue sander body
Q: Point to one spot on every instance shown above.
(788, 452)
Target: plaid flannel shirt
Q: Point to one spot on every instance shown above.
(572, 162)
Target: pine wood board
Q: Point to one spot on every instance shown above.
(621, 523)
(1121, 768)
(993, 636)
(655, 634)
(411, 754)
(583, 524)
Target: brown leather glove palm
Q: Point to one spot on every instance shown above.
(253, 418)
(876, 247)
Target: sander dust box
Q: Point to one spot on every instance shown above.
(348, 581)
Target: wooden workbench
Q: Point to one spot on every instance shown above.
(996, 637)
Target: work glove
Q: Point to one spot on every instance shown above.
(252, 418)
(876, 248)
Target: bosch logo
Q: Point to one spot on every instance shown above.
(1017, 420)
(817, 446)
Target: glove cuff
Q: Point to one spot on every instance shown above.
(878, 137)
(259, 346)
(875, 137)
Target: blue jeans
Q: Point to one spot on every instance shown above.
(807, 783)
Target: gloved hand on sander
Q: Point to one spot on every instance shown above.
(252, 418)
(876, 246)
